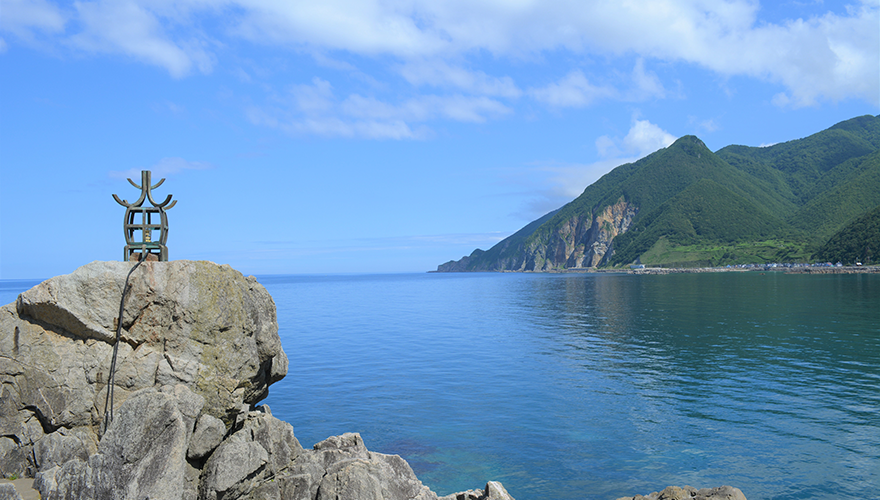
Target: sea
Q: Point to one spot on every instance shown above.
(590, 386)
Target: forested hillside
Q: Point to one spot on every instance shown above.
(858, 242)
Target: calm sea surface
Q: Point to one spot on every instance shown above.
(571, 386)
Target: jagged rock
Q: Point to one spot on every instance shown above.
(59, 447)
(142, 455)
(493, 491)
(691, 493)
(12, 457)
(207, 436)
(249, 459)
(341, 468)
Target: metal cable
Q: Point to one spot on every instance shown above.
(108, 401)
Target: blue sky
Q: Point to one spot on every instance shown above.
(383, 136)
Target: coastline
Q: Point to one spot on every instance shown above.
(776, 268)
(762, 270)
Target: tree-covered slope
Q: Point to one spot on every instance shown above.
(840, 195)
(705, 212)
(859, 241)
(794, 167)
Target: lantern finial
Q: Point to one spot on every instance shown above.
(138, 223)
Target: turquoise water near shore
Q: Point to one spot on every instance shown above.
(572, 386)
(592, 386)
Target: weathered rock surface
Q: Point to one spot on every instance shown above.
(193, 323)
(493, 491)
(342, 467)
(140, 456)
(199, 347)
(691, 493)
(8, 492)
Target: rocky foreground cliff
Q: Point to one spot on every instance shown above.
(198, 350)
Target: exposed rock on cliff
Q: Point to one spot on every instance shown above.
(578, 241)
(199, 347)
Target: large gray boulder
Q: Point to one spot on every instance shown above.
(198, 324)
(252, 460)
(341, 468)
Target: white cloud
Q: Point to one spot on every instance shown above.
(23, 17)
(827, 57)
(124, 26)
(315, 98)
(820, 58)
(646, 83)
(163, 168)
(439, 73)
(314, 108)
(572, 91)
(576, 91)
(363, 27)
(560, 182)
(644, 138)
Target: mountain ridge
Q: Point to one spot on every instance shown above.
(739, 203)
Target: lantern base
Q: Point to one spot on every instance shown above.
(155, 252)
(136, 256)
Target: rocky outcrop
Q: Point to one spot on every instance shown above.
(198, 349)
(196, 324)
(691, 493)
(579, 241)
(461, 265)
(493, 491)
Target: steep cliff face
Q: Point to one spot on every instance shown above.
(579, 241)
(613, 221)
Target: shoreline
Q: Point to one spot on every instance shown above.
(762, 270)
(873, 269)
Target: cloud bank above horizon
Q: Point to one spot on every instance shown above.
(421, 62)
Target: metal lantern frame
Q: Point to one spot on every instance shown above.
(140, 221)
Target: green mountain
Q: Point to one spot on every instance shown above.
(687, 206)
(859, 241)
